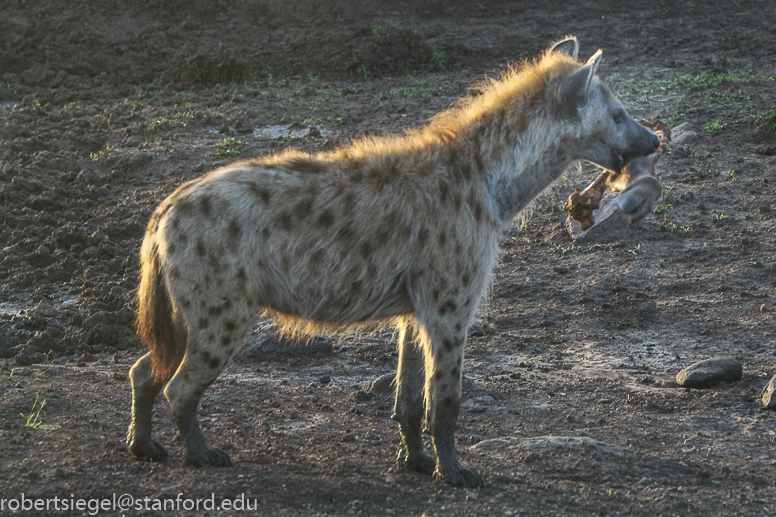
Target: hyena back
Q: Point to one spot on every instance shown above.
(400, 230)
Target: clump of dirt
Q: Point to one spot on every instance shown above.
(766, 126)
(208, 67)
(390, 49)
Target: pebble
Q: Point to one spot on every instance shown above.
(768, 398)
(23, 360)
(710, 372)
(383, 384)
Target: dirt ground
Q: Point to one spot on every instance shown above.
(107, 106)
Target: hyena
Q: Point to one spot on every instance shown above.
(397, 230)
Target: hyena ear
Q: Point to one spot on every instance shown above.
(568, 46)
(575, 89)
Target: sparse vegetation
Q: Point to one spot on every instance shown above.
(766, 120)
(177, 118)
(33, 420)
(103, 152)
(424, 89)
(229, 147)
(714, 127)
(387, 26)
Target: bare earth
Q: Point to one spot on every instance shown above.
(106, 107)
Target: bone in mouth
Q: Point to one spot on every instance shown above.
(581, 204)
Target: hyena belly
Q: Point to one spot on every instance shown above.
(290, 242)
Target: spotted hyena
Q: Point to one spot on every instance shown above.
(400, 230)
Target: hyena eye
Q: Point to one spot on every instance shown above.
(617, 117)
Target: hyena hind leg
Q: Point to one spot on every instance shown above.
(206, 356)
(145, 388)
(408, 410)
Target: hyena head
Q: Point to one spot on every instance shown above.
(608, 136)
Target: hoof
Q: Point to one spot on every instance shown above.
(208, 456)
(459, 477)
(148, 449)
(420, 462)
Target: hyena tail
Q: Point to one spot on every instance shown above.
(155, 322)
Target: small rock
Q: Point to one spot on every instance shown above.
(383, 384)
(324, 380)
(87, 358)
(361, 396)
(56, 474)
(485, 400)
(768, 397)
(23, 360)
(683, 134)
(710, 372)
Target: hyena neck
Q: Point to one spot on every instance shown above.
(520, 171)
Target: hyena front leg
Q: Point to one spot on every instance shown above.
(408, 410)
(443, 398)
(145, 388)
(213, 340)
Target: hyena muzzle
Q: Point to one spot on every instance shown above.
(400, 230)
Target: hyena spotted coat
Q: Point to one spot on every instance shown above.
(399, 230)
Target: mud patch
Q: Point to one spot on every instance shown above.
(220, 65)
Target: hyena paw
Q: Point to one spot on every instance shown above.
(459, 476)
(147, 449)
(418, 462)
(208, 456)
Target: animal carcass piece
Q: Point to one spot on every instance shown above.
(637, 198)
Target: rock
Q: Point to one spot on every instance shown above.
(548, 444)
(361, 396)
(324, 380)
(23, 360)
(55, 474)
(683, 134)
(486, 400)
(383, 384)
(710, 372)
(768, 397)
(87, 358)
